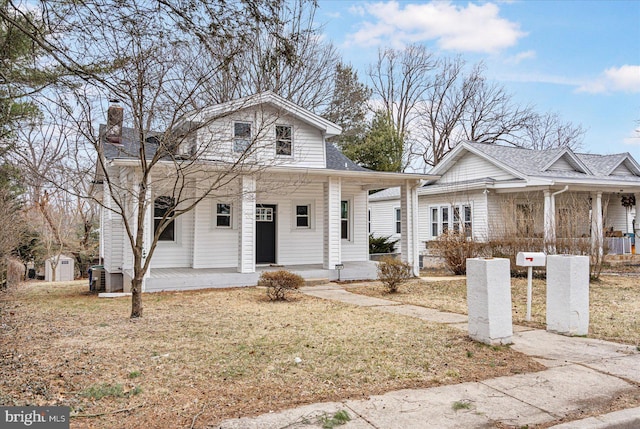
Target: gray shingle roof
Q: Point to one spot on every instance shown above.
(531, 162)
(336, 160)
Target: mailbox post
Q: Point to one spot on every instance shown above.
(530, 260)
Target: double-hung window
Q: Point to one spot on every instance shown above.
(398, 217)
(344, 220)
(163, 209)
(241, 136)
(303, 216)
(284, 142)
(223, 215)
(456, 218)
(434, 222)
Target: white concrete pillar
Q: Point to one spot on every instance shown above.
(568, 294)
(489, 300)
(597, 233)
(409, 225)
(332, 245)
(247, 226)
(549, 222)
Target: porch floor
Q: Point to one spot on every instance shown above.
(168, 279)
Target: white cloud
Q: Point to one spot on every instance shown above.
(470, 28)
(625, 78)
(521, 56)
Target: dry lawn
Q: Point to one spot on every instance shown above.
(196, 358)
(614, 302)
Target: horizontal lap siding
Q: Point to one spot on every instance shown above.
(383, 222)
(308, 143)
(214, 247)
(298, 245)
(471, 167)
(479, 212)
(356, 249)
(176, 254)
(616, 216)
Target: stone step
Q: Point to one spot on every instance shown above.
(315, 282)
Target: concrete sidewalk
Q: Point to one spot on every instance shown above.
(582, 373)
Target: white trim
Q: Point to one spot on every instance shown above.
(311, 215)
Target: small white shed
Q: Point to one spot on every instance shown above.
(64, 270)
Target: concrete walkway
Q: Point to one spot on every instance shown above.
(581, 374)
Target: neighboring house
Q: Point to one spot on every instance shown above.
(491, 191)
(302, 206)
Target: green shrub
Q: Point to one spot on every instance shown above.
(381, 244)
(279, 283)
(393, 272)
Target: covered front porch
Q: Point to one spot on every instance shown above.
(173, 279)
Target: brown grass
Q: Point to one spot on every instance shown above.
(613, 309)
(216, 354)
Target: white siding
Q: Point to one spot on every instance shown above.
(561, 165)
(472, 167)
(357, 248)
(176, 254)
(477, 200)
(621, 170)
(297, 245)
(383, 221)
(308, 148)
(617, 216)
(215, 247)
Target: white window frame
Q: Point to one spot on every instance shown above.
(456, 218)
(246, 142)
(348, 219)
(435, 221)
(397, 216)
(290, 140)
(216, 214)
(264, 214)
(173, 223)
(310, 215)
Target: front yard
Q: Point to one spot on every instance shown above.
(614, 301)
(197, 358)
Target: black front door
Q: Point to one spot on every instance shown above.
(265, 234)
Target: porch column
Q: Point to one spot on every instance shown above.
(247, 225)
(332, 246)
(597, 235)
(549, 222)
(409, 225)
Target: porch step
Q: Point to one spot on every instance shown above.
(315, 282)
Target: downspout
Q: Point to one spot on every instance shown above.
(553, 202)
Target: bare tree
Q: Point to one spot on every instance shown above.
(286, 55)
(465, 106)
(143, 54)
(400, 80)
(548, 130)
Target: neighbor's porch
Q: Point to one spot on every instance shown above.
(172, 279)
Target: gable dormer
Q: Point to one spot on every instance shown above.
(566, 160)
(626, 167)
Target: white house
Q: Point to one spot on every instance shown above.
(297, 203)
(488, 190)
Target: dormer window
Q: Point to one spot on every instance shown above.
(283, 140)
(241, 136)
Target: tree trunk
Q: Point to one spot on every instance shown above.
(136, 298)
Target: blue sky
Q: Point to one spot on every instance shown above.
(580, 59)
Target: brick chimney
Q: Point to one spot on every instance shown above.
(114, 122)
